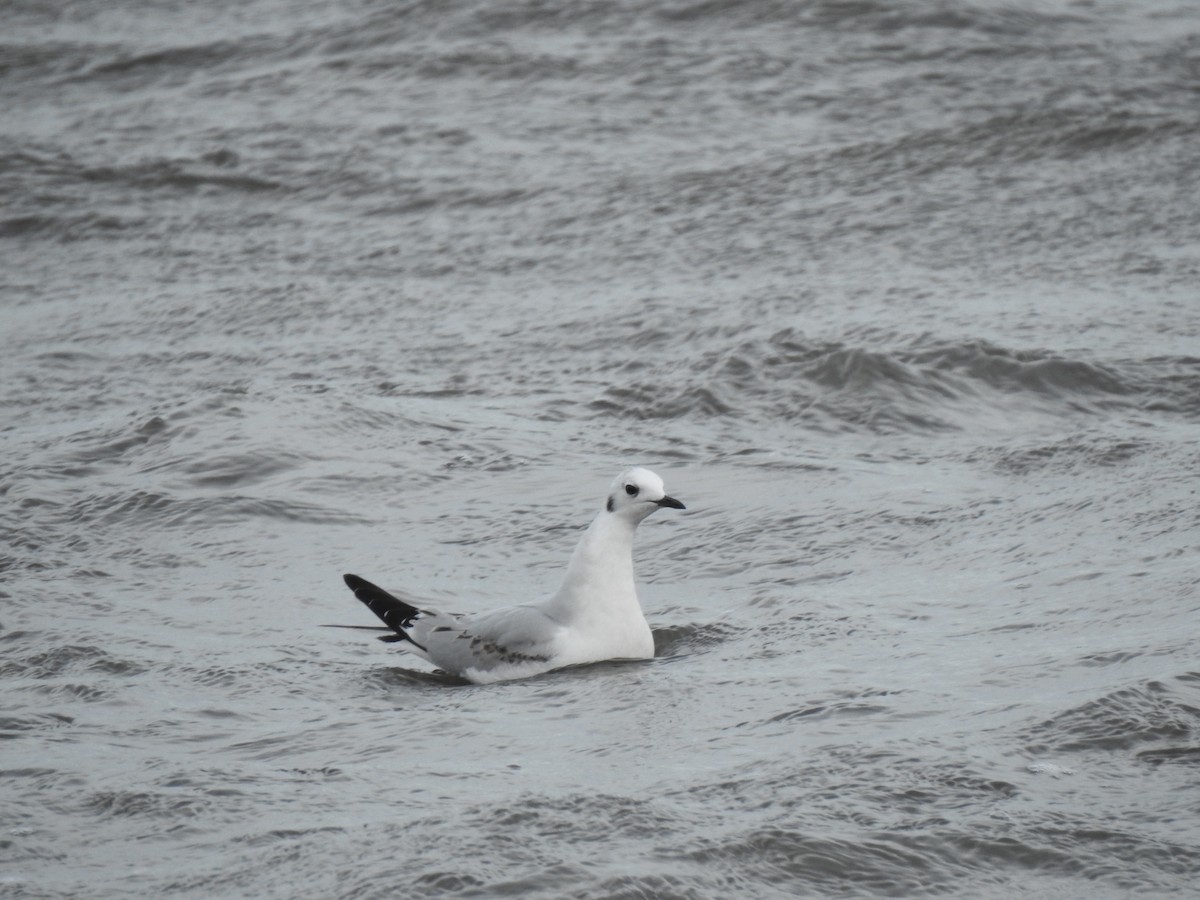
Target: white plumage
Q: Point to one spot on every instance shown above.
(595, 615)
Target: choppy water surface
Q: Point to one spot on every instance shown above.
(899, 297)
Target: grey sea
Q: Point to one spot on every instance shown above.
(900, 297)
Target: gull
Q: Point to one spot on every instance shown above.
(594, 616)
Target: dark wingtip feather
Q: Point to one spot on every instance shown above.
(392, 611)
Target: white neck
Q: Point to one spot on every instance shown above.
(599, 579)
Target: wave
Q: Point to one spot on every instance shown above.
(940, 857)
(60, 661)
(149, 509)
(33, 216)
(170, 173)
(72, 673)
(19, 726)
(682, 641)
(1016, 137)
(895, 385)
(152, 804)
(1152, 713)
(1069, 454)
(882, 827)
(67, 228)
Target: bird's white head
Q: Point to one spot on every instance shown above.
(636, 493)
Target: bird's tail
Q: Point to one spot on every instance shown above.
(392, 611)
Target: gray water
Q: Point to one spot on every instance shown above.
(901, 298)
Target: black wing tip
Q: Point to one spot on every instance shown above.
(381, 602)
(365, 590)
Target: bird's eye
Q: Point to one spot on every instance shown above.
(631, 490)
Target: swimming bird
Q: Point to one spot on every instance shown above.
(594, 616)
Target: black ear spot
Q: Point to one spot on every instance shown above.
(609, 504)
(631, 490)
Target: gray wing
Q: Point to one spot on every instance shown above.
(520, 636)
